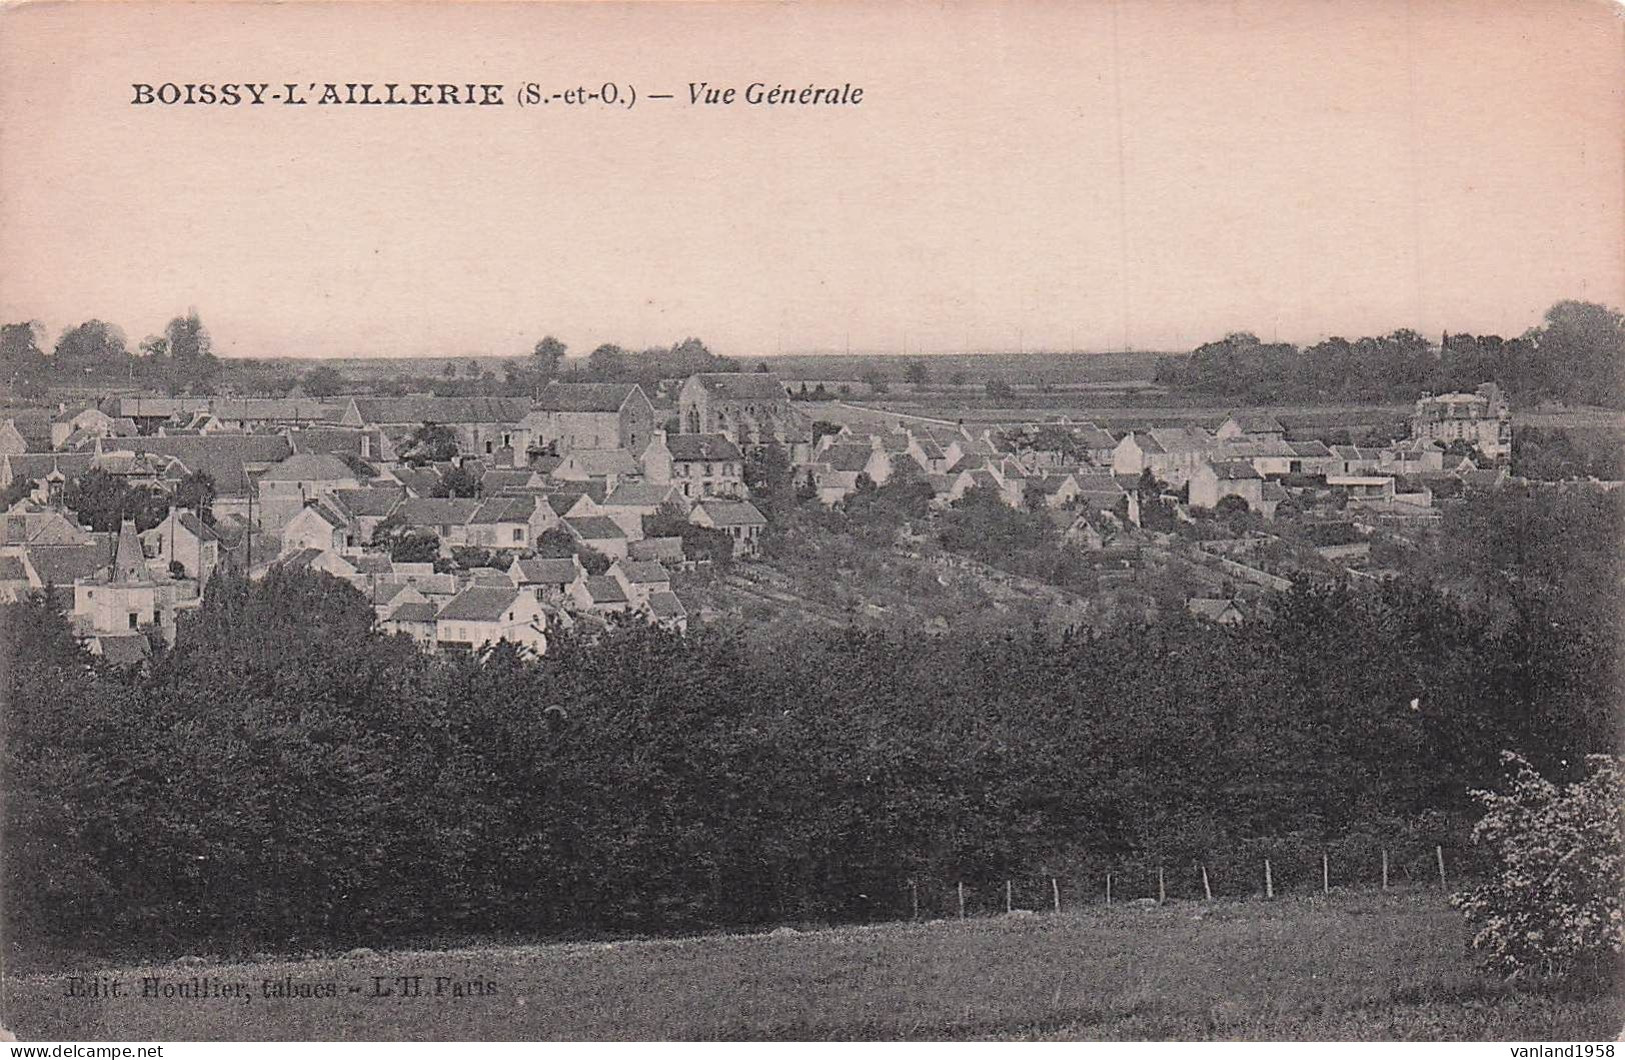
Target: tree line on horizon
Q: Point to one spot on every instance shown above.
(1575, 356)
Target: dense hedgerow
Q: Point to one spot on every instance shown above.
(283, 777)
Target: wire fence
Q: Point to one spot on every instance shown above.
(1281, 875)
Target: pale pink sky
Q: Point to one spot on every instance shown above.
(1056, 174)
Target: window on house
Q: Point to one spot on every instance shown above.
(708, 469)
(518, 533)
(489, 448)
(157, 617)
(133, 619)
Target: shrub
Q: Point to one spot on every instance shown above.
(1553, 905)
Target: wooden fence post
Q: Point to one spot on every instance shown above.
(1325, 873)
(1007, 906)
(1108, 888)
(1269, 880)
(1385, 868)
(1206, 889)
(961, 899)
(1438, 852)
(1055, 888)
(1162, 890)
(914, 898)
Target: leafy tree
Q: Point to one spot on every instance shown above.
(92, 345)
(821, 428)
(323, 381)
(608, 361)
(197, 492)
(193, 365)
(414, 546)
(916, 373)
(103, 501)
(768, 479)
(459, 481)
(875, 380)
(20, 348)
(432, 443)
(21, 486)
(999, 390)
(558, 543)
(547, 356)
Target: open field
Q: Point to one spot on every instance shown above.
(978, 368)
(1298, 419)
(1359, 965)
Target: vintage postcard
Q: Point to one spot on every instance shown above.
(799, 521)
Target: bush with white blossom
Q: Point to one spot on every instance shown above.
(1554, 906)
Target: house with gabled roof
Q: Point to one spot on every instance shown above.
(483, 425)
(548, 578)
(1059, 490)
(630, 502)
(510, 522)
(484, 615)
(599, 594)
(184, 538)
(740, 520)
(367, 507)
(402, 608)
(447, 517)
(571, 416)
(1221, 612)
(1355, 460)
(510, 480)
(319, 560)
(290, 484)
(609, 466)
(1171, 453)
(701, 465)
(416, 481)
(319, 525)
(640, 578)
(667, 550)
(26, 523)
(1250, 426)
(600, 533)
(91, 422)
(1312, 457)
(667, 611)
(12, 442)
(928, 453)
(1211, 483)
(360, 443)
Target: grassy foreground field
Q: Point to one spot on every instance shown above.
(1356, 966)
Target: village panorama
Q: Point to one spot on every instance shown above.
(386, 653)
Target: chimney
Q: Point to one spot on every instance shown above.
(366, 446)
